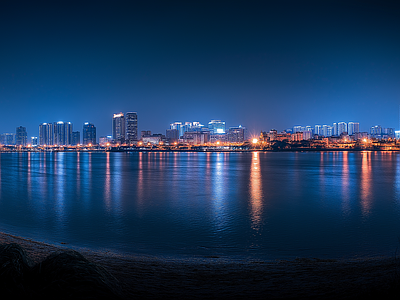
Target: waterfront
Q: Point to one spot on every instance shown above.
(259, 205)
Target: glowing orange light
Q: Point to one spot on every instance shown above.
(255, 141)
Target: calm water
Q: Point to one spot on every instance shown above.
(262, 205)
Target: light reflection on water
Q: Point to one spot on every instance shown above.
(266, 205)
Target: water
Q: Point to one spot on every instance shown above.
(259, 205)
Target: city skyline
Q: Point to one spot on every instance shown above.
(261, 64)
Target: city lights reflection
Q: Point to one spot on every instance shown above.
(215, 200)
(219, 190)
(345, 182)
(256, 192)
(107, 183)
(366, 197)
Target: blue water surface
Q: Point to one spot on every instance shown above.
(263, 205)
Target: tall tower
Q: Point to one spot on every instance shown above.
(216, 126)
(46, 134)
(89, 134)
(131, 127)
(21, 136)
(118, 128)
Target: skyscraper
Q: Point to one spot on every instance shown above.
(21, 136)
(131, 127)
(118, 128)
(318, 129)
(216, 126)
(7, 139)
(76, 138)
(178, 126)
(335, 129)
(236, 134)
(46, 133)
(89, 134)
(342, 128)
(62, 133)
(353, 128)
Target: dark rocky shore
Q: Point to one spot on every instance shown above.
(33, 269)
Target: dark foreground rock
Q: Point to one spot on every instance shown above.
(46, 271)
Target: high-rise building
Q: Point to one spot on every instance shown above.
(104, 140)
(89, 134)
(216, 126)
(335, 129)
(76, 138)
(21, 136)
(62, 133)
(7, 139)
(131, 127)
(326, 130)
(46, 134)
(118, 128)
(318, 129)
(34, 141)
(177, 126)
(297, 129)
(172, 135)
(353, 128)
(236, 134)
(342, 128)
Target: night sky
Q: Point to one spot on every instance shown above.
(260, 64)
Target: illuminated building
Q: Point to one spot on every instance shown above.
(307, 135)
(318, 129)
(154, 139)
(76, 138)
(326, 130)
(172, 135)
(145, 133)
(236, 134)
(177, 126)
(118, 128)
(353, 128)
(342, 128)
(196, 137)
(62, 133)
(46, 134)
(89, 134)
(7, 139)
(335, 129)
(216, 126)
(21, 136)
(104, 140)
(34, 141)
(131, 127)
(297, 129)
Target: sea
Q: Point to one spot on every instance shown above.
(257, 205)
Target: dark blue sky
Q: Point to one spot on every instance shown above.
(261, 64)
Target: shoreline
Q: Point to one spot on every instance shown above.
(146, 277)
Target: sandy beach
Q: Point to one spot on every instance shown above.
(142, 277)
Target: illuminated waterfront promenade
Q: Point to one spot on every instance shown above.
(253, 145)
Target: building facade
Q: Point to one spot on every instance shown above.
(216, 126)
(21, 137)
(46, 134)
(131, 127)
(89, 134)
(7, 139)
(118, 128)
(76, 138)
